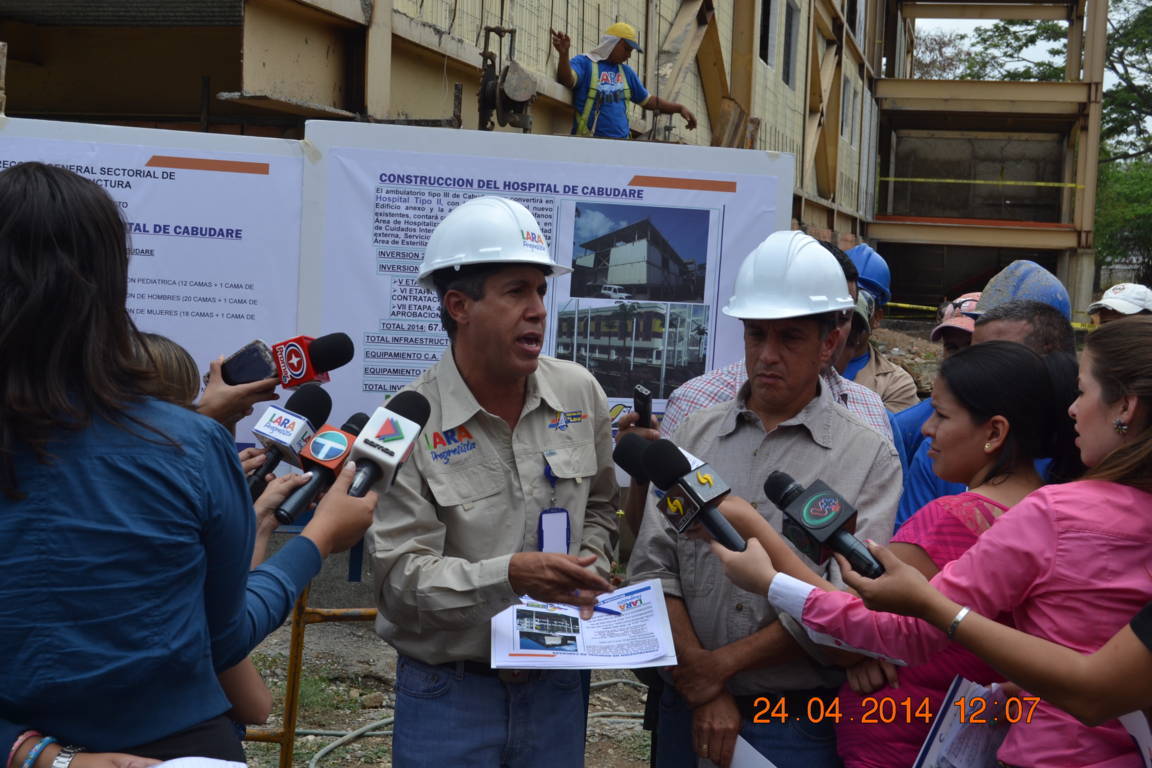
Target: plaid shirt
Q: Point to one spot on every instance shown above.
(722, 384)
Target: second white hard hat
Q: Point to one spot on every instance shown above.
(788, 275)
(486, 230)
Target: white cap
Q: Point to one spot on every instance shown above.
(788, 275)
(486, 230)
(1125, 298)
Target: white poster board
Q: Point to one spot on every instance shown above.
(235, 238)
(213, 221)
(655, 235)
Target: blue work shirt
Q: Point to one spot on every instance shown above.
(910, 422)
(126, 581)
(609, 115)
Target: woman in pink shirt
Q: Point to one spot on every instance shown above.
(996, 408)
(1069, 563)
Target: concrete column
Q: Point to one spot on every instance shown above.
(378, 61)
(1077, 270)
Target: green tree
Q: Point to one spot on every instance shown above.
(939, 55)
(1124, 214)
(1035, 50)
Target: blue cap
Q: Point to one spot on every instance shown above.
(1024, 280)
(874, 275)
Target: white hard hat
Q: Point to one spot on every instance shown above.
(788, 275)
(486, 230)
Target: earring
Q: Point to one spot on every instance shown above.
(1120, 427)
(987, 447)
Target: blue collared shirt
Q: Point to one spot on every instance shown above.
(126, 581)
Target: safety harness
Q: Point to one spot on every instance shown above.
(594, 95)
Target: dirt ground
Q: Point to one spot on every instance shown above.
(348, 683)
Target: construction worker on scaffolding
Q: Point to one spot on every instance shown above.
(602, 84)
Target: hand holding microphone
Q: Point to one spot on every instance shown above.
(284, 432)
(820, 521)
(340, 520)
(324, 456)
(693, 490)
(387, 440)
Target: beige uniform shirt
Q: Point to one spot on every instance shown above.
(471, 496)
(824, 441)
(895, 385)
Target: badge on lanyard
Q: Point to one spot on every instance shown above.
(555, 529)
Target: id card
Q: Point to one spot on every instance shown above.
(555, 531)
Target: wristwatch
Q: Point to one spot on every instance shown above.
(64, 758)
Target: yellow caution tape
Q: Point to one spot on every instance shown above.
(910, 306)
(1002, 183)
(921, 307)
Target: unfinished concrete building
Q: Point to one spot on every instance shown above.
(949, 180)
(641, 260)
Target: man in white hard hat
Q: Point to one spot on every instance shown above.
(733, 650)
(723, 383)
(512, 492)
(1121, 300)
(602, 84)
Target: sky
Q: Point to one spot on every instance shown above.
(966, 26)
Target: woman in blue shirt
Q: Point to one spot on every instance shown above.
(126, 522)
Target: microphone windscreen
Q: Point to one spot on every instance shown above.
(329, 352)
(411, 405)
(311, 402)
(629, 456)
(355, 424)
(781, 489)
(665, 464)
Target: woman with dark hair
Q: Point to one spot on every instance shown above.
(996, 408)
(126, 522)
(1069, 562)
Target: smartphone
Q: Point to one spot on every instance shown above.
(642, 404)
(253, 362)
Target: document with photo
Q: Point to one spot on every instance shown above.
(628, 629)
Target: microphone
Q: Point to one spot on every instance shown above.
(296, 361)
(387, 441)
(285, 431)
(629, 456)
(819, 521)
(302, 359)
(694, 490)
(324, 455)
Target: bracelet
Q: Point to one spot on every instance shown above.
(20, 740)
(36, 750)
(64, 758)
(956, 621)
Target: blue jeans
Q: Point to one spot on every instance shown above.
(796, 744)
(446, 717)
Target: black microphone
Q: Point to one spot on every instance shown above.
(819, 521)
(629, 456)
(387, 441)
(324, 456)
(285, 431)
(693, 492)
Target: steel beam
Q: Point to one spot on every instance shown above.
(1008, 235)
(982, 11)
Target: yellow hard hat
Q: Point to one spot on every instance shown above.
(627, 33)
